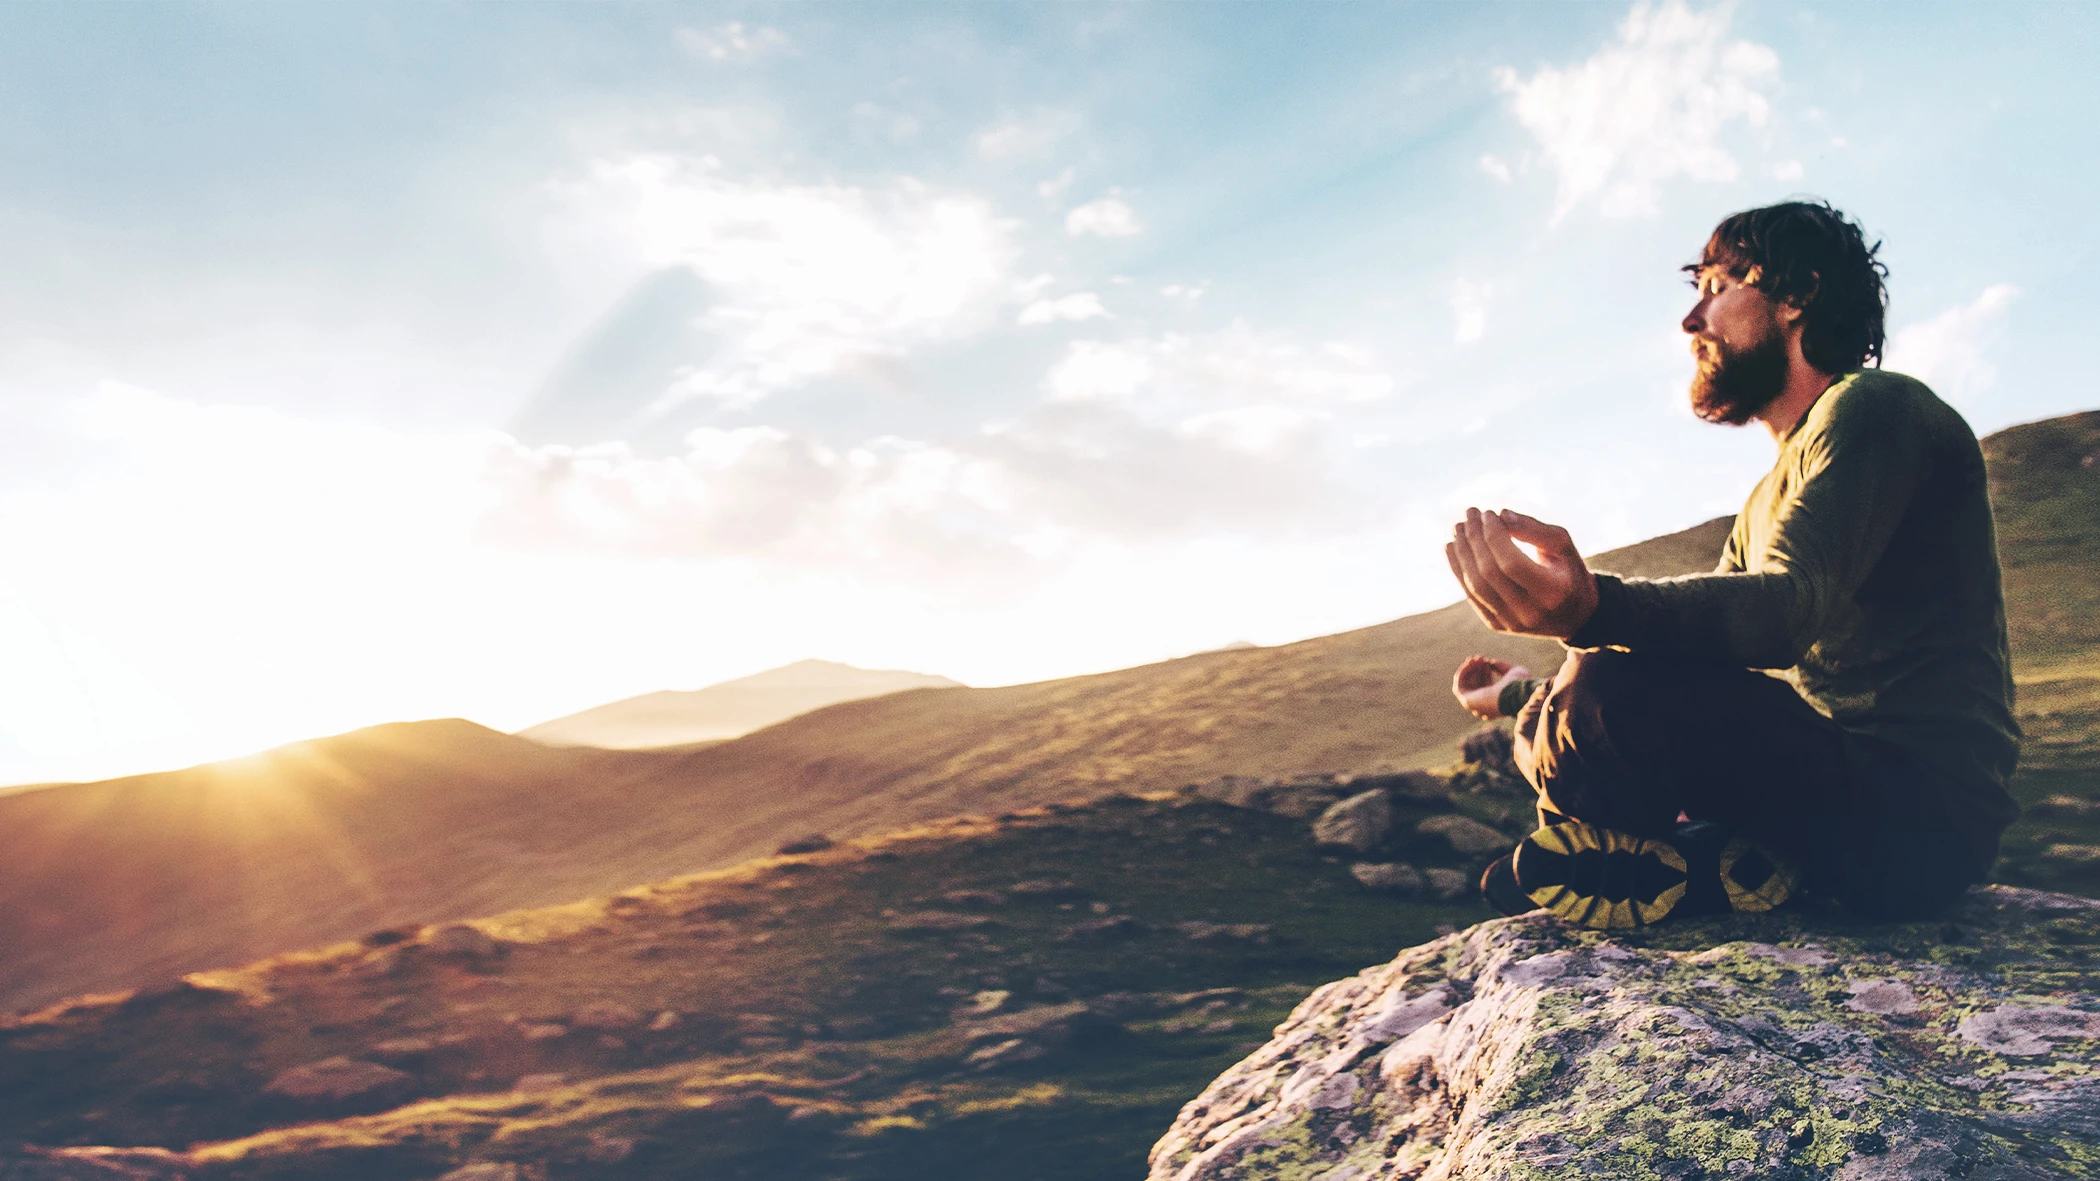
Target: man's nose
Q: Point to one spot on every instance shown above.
(1695, 320)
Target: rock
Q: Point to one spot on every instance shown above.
(1045, 890)
(332, 1080)
(988, 1001)
(460, 941)
(484, 1171)
(1029, 1034)
(605, 1015)
(1801, 1044)
(815, 842)
(1489, 746)
(402, 1047)
(1357, 824)
(666, 1020)
(1197, 931)
(1397, 876)
(974, 898)
(924, 922)
(1404, 785)
(1111, 929)
(1466, 835)
(94, 1164)
(1449, 884)
(1298, 799)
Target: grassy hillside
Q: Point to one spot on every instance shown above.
(135, 881)
(2045, 487)
(728, 710)
(1026, 997)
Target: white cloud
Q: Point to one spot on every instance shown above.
(1026, 139)
(1108, 217)
(1236, 365)
(875, 121)
(1050, 188)
(1084, 305)
(1495, 167)
(1787, 170)
(1649, 108)
(734, 42)
(1469, 307)
(1949, 352)
(811, 279)
(1188, 291)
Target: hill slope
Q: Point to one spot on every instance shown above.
(727, 710)
(330, 839)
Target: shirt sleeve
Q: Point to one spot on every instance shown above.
(1510, 702)
(1858, 477)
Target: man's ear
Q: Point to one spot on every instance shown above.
(1793, 307)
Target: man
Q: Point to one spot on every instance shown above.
(1831, 708)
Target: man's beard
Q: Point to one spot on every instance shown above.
(1733, 387)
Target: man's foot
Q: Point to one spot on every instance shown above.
(1498, 885)
(1598, 877)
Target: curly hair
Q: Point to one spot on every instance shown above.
(1810, 253)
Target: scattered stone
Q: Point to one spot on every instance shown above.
(2020, 1031)
(1404, 785)
(460, 941)
(1489, 746)
(402, 1047)
(1586, 1055)
(1357, 824)
(936, 921)
(1197, 931)
(815, 842)
(1111, 929)
(991, 1000)
(1046, 890)
(666, 1020)
(1300, 798)
(1465, 834)
(1397, 876)
(332, 1080)
(484, 1171)
(1449, 884)
(1890, 998)
(605, 1015)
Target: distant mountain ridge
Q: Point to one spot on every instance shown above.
(727, 710)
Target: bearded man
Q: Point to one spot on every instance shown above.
(1830, 710)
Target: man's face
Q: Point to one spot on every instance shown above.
(1739, 345)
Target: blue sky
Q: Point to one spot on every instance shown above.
(366, 362)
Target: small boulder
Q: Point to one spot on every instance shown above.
(666, 1020)
(1449, 884)
(1489, 746)
(1465, 834)
(1201, 932)
(605, 1015)
(332, 1080)
(1110, 929)
(1357, 824)
(483, 1171)
(462, 942)
(1397, 876)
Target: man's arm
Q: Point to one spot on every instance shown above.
(1858, 478)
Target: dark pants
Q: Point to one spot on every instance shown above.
(1628, 741)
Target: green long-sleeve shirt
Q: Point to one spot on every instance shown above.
(1864, 570)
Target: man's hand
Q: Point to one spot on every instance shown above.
(1478, 684)
(1552, 596)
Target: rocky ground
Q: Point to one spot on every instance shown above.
(1791, 1046)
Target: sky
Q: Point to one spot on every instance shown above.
(370, 362)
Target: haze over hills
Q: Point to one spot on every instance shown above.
(127, 882)
(727, 710)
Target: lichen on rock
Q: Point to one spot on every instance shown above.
(1802, 1044)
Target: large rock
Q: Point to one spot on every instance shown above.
(1357, 824)
(1791, 1046)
